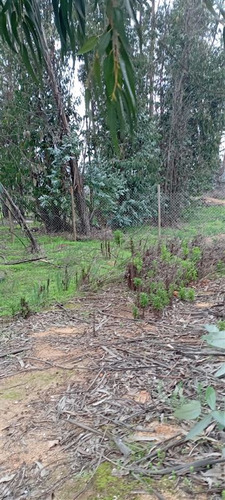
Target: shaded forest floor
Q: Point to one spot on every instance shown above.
(88, 394)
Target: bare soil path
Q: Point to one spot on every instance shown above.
(85, 385)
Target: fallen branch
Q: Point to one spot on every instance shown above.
(14, 351)
(195, 466)
(24, 261)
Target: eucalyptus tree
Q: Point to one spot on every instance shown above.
(23, 30)
(164, 87)
(191, 103)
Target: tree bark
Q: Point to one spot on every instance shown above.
(76, 177)
(152, 60)
(20, 219)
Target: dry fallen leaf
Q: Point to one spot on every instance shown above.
(156, 431)
(7, 478)
(52, 444)
(143, 436)
(142, 397)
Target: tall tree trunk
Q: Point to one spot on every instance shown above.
(76, 177)
(19, 217)
(152, 60)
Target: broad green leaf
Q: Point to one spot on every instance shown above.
(219, 416)
(199, 427)
(104, 42)
(88, 45)
(30, 43)
(212, 328)
(4, 30)
(221, 371)
(189, 411)
(14, 25)
(119, 26)
(63, 29)
(55, 4)
(34, 34)
(127, 81)
(210, 396)
(216, 340)
(27, 63)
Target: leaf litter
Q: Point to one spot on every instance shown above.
(88, 384)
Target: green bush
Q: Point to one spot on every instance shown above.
(159, 296)
(186, 293)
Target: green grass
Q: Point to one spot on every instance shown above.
(65, 260)
(54, 279)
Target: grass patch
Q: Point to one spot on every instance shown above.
(67, 264)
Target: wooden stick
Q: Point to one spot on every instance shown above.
(25, 261)
(159, 212)
(73, 214)
(11, 224)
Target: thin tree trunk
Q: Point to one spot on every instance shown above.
(152, 60)
(75, 173)
(20, 219)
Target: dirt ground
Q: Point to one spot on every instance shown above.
(86, 384)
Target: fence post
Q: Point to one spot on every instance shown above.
(73, 214)
(11, 222)
(159, 212)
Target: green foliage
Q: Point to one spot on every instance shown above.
(190, 271)
(135, 312)
(138, 283)
(144, 300)
(221, 324)
(189, 411)
(185, 122)
(216, 338)
(170, 267)
(118, 237)
(22, 30)
(186, 293)
(24, 308)
(165, 253)
(159, 296)
(123, 190)
(138, 262)
(220, 267)
(196, 254)
(67, 266)
(193, 409)
(185, 249)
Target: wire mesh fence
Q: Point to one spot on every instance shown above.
(65, 260)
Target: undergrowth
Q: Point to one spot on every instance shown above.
(68, 267)
(170, 269)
